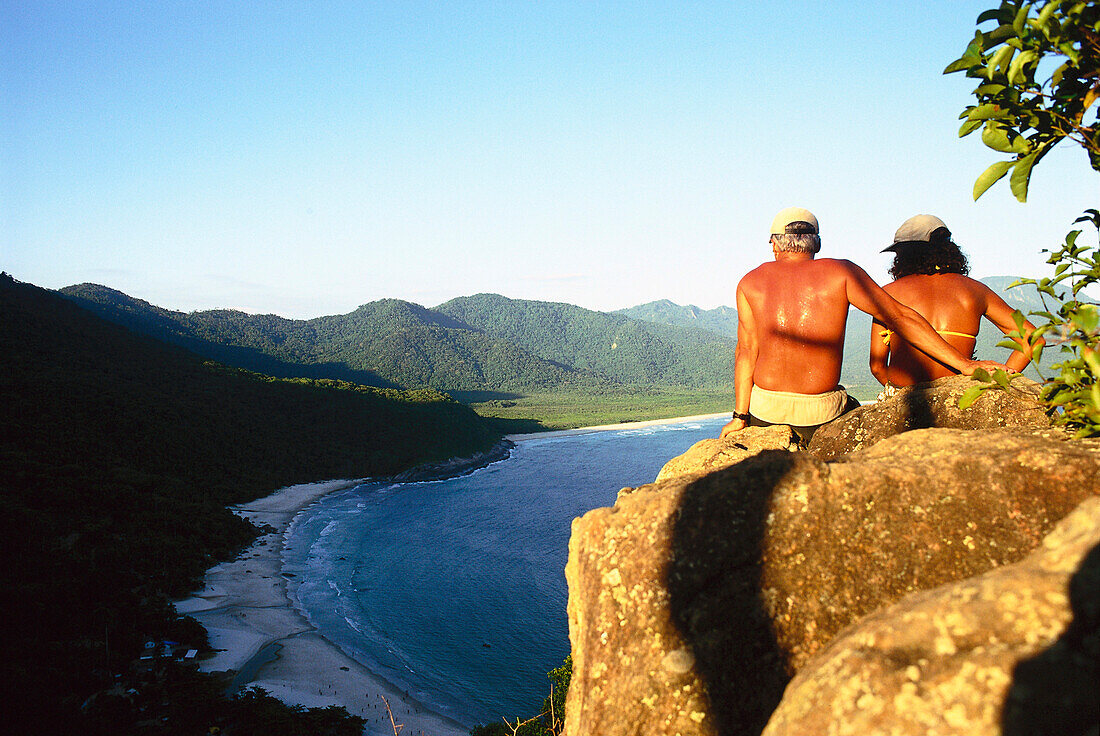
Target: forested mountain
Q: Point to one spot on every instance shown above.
(722, 320)
(477, 344)
(487, 344)
(118, 455)
(384, 343)
(626, 350)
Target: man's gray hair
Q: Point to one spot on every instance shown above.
(797, 242)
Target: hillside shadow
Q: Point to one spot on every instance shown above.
(1057, 692)
(480, 397)
(714, 585)
(340, 371)
(515, 426)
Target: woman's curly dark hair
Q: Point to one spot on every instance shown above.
(939, 255)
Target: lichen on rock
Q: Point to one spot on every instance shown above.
(695, 599)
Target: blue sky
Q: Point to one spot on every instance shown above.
(305, 158)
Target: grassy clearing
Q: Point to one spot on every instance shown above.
(567, 410)
(535, 412)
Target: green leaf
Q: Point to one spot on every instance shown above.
(1088, 318)
(990, 176)
(998, 35)
(987, 15)
(963, 63)
(981, 374)
(969, 127)
(1021, 176)
(971, 395)
(988, 111)
(1000, 378)
(996, 136)
(1000, 60)
(1044, 19)
(1018, 69)
(1021, 17)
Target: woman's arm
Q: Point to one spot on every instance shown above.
(999, 313)
(880, 353)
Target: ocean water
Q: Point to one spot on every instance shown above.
(455, 590)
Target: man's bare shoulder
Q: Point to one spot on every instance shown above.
(760, 274)
(766, 275)
(839, 264)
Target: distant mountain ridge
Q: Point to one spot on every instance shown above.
(722, 320)
(395, 343)
(626, 350)
(487, 343)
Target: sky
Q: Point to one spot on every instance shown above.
(304, 158)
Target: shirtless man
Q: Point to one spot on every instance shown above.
(790, 334)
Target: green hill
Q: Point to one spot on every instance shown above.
(722, 320)
(627, 351)
(118, 455)
(384, 343)
(480, 344)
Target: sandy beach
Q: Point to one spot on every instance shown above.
(261, 636)
(605, 427)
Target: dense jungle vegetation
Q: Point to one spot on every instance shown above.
(118, 456)
(485, 343)
(627, 351)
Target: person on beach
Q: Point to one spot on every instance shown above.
(790, 333)
(930, 275)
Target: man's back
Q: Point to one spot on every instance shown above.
(800, 307)
(790, 332)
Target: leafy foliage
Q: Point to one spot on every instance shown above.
(118, 457)
(549, 722)
(1025, 106)
(1073, 324)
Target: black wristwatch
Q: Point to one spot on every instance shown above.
(745, 417)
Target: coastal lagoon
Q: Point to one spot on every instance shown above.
(454, 590)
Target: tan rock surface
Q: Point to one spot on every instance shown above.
(714, 454)
(945, 661)
(693, 600)
(927, 405)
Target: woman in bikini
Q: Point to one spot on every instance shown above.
(929, 274)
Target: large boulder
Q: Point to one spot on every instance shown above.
(926, 405)
(1013, 651)
(714, 454)
(693, 600)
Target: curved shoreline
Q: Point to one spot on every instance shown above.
(261, 637)
(607, 427)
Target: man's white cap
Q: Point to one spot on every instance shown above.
(792, 214)
(917, 229)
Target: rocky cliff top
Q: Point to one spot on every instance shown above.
(695, 599)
